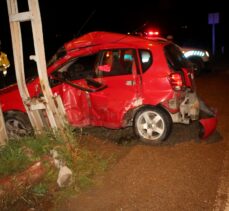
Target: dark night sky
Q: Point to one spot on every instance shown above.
(186, 20)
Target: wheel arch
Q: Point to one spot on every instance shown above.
(9, 112)
(128, 118)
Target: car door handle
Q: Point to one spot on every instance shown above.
(130, 83)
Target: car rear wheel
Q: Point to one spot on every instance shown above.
(152, 125)
(17, 124)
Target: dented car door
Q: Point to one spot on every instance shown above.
(117, 69)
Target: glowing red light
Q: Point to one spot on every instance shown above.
(153, 33)
(150, 33)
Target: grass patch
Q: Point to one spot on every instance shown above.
(17, 155)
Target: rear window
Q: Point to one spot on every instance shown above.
(146, 59)
(175, 57)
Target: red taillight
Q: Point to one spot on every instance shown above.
(188, 77)
(176, 81)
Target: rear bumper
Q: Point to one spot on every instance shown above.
(188, 109)
(208, 122)
(193, 108)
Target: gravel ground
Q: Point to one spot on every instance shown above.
(184, 173)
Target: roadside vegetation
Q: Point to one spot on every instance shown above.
(19, 154)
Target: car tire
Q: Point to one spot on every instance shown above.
(152, 125)
(17, 124)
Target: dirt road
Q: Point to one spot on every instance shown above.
(185, 173)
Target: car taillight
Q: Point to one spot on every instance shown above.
(176, 81)
(188, 75)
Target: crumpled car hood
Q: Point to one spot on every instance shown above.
(10, 88)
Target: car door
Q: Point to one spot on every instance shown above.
(117, 69)
(70, 83)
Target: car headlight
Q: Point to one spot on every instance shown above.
(194, 53)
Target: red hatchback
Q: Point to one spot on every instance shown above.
(115, 81)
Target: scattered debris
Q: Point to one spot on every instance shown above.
(65, 174)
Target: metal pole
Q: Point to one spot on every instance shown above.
(213, 39)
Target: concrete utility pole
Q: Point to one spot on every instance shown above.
(47, 110)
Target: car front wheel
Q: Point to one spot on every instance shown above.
(152, 125)
(17, 124)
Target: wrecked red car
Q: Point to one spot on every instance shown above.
(115, 81)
